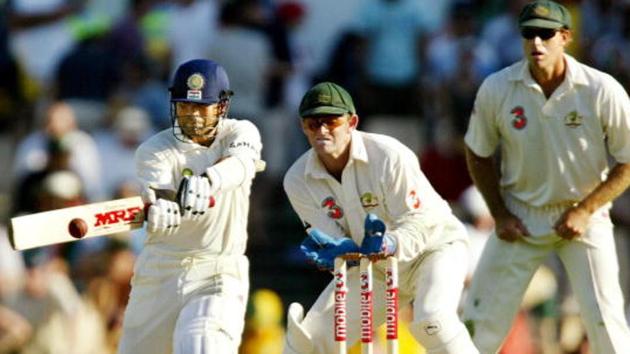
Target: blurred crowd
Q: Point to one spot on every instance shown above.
(83, 82)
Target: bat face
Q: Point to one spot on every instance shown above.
(50, 227)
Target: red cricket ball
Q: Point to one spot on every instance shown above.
(77, 228)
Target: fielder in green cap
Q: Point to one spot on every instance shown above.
(545, 14)
(358, 192)
(326, 98)
(555, 121)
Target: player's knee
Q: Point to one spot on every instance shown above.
(204, 335)
(205, 324)
(443, 333)
(213, 340)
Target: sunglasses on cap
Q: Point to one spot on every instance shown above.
(542, 33)
(331, 122)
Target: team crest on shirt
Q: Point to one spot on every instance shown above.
(573, 119)
(333, 210)
(413, 201)
(369, 200)
(519, 121)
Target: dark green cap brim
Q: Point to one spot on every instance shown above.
(541, 23)
(324, 110)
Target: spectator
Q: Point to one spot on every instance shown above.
(393, 31)
(15, 331)
(117, 145)
(193, 25)
(27, 197)
(60, 124)
(40, 36)
(263, 332)
(52, 306)
(246, 53)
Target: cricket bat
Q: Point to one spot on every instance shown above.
(74, 223)
(84, 221)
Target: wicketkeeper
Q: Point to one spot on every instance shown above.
(347, 175)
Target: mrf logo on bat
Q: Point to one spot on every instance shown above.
(119, 216)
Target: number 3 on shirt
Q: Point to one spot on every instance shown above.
(413, 201)
(334, 210)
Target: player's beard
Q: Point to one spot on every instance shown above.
(196, 128)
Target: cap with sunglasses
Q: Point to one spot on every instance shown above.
(545, 14)
(326, 98)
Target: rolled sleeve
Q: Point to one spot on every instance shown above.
(244, 141)
(482, 136)
(616, 119)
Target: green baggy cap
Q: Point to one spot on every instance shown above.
(326, 98)
(545, 14)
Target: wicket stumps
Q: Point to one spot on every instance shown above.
(340, 326)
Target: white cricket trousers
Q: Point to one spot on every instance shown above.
(185, 305)
(434, 285)
(505, 270)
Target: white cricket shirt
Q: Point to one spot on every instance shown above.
(382, 177)
(160, 163)
(553, 151)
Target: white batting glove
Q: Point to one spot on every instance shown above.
(164, 216)
(194, 196)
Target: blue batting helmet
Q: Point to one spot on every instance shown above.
(200, 81)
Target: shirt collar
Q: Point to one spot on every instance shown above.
(315, 168)
(575, 74)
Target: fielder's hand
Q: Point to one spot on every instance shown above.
(510, 228)
(194, 195)
(375, 240)
(322, 249)
(572, 223)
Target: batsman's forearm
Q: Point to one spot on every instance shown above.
(230, 173)
(485, 176)
(617, 182)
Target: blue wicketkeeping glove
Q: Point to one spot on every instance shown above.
(322, 249)
(375, 240)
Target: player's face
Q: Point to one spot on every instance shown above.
(329, 135)
(198, 121)
(544, 47)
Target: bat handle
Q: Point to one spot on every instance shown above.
(211, 203)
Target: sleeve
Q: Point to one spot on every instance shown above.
(240, 157)
(307, 209)
(413, 206)
(615, 112)
(482, 136)
(154, 168)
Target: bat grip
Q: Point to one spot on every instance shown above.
(145, 209)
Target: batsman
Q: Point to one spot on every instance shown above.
(361, 192)
(190, 283)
